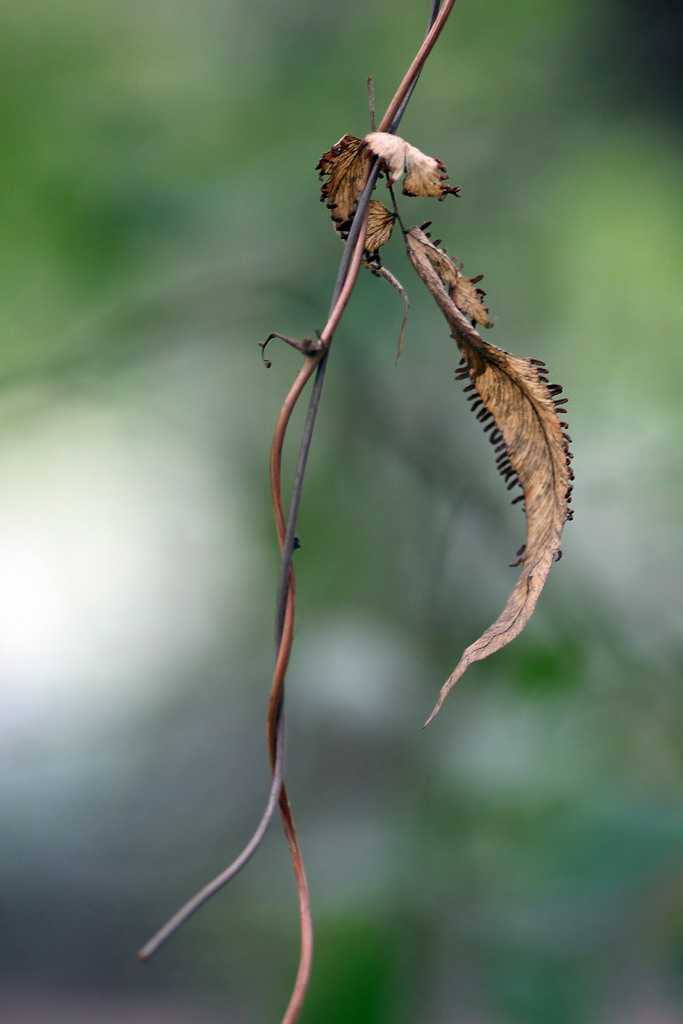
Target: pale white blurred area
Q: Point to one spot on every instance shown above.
(130, 563)
(120, 561)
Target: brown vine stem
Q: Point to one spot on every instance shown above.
(346, 279)
(315, 360)
(389, 121)
(345, 282)
(275, 717)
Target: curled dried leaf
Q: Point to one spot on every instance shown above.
(463, 290)
(513, 398)
(469, 299)
(380, 225)
(344, 166)
(424, 175)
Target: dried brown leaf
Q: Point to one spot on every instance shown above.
(470, 300)
(463, 290)
(519, 406)
(424, 175)
(344, 166)
(380, 225)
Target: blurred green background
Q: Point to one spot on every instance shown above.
(521, 861)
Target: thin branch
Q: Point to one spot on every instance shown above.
(346, 279)
(345, 282)
(396, 108)
(275, 715)
(306, 923)
(371, 103)
(411, 88)
(316, 358)
(199, 899)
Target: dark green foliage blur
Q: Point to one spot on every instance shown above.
(519, 862)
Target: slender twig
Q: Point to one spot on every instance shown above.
(344, 284)
(371, 103)
(316, 359)
(275, 718)
(396, 108)
(205, 894)
(275, 715)
(346, 279)
(436, 4)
